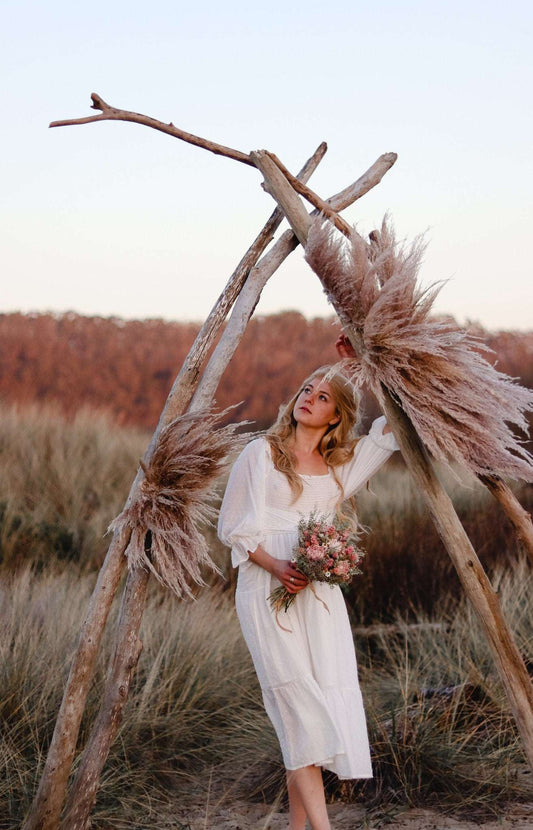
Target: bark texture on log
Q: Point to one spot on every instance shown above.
(509, 663)
(49, 798)
(128, 648)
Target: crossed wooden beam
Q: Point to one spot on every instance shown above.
(192, 390)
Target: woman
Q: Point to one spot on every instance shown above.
(309, 461)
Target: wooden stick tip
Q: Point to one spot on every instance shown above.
(98, 103)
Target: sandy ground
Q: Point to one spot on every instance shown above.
(241, 815)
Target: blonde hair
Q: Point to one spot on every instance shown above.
(338, 442)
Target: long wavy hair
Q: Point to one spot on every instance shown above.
(338, 443)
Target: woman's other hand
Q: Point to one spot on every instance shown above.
(344, 347)
(288, 574)
(290, 577)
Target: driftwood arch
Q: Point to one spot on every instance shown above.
(191, 391)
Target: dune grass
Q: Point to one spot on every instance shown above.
(439, 724)
(61, 483)
(63, 480)
(194, 729)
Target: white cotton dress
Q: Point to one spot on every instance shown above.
(308, 675)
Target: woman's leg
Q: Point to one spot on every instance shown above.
(307, 799)
(297, 814)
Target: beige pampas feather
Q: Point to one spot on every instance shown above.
(176, 497)
(460, 405)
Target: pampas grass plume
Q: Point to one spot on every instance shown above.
(460, 405)
(176, 497)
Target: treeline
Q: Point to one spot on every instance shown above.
(127, 367)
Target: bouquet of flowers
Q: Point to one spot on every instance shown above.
(327, 551)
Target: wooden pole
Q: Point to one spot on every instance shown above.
(84, 788)
(48, 802)
(127, 651)
(507, 658)
(517, 515)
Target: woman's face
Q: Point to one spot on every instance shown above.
(315, 406)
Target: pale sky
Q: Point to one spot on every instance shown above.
(117, 219)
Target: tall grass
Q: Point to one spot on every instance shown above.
(194, 727)
(406, 568)
(61, 482)
(440, 728)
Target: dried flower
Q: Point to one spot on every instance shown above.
(460, 405)
(320, 541)
(176, 497)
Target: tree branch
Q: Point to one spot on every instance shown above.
(312, 197)
(112, 114)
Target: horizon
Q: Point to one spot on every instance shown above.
(473, 324)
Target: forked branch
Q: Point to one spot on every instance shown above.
(109, 113)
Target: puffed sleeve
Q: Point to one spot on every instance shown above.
(241, 518)
(371, 453)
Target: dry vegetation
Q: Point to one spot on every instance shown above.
(126, 367)
(194, 730)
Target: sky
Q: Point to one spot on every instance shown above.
(115, 219)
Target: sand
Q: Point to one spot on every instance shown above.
(242, 815)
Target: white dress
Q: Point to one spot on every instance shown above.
(308, 675)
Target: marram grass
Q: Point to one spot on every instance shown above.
(194, 727)
(440, 730)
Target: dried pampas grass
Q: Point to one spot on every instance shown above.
(176, 497)
(462, 408)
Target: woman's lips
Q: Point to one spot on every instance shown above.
(305, 409)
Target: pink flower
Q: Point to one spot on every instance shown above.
(342, 568)
(314, 553)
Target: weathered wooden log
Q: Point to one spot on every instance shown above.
(259, 275)
(391, 629)
(509, 663)
(517, 515)
(127, 651)
(105, 727)
(48, 802)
